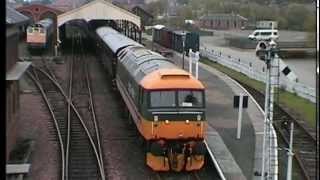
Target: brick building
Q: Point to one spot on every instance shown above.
(14, 71)
(222, 21)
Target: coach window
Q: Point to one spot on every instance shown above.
(162, 99)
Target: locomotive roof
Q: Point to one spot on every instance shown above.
(115, 40)
(170, 79)
(154, 71)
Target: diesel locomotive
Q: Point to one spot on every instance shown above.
(166, 103)
(39, 35)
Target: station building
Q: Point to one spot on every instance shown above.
(222, 21)
(14, 71)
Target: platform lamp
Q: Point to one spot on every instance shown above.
(183, 46)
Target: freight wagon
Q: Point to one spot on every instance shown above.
(173, 39)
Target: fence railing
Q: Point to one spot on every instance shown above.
(236, 64)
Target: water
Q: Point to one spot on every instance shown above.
(305, 69)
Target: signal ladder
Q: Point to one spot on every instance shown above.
(274, 88)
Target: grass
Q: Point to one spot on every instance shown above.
(304, 108)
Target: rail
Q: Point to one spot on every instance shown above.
(82, 65)
(68, 100)
(62, 149)
(215, 162)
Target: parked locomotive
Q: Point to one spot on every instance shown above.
(166, 103)
(172, 39)
(39, 35)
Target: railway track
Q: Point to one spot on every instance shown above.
(74, 127)
(55, 102)
(83, 164)
(304, 144)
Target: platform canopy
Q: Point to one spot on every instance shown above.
(99, 9)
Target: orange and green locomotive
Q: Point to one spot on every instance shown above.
(166, 103)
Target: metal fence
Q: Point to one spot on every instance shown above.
(297, 88)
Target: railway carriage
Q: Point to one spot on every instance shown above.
(166, 35)
(39, 35)
(173, 39)
(166, 103)
(109, 42)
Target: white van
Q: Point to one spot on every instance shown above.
(264, 34)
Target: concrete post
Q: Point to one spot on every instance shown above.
(196, 58)
(240, 116)
(290, 153)
(190, 61)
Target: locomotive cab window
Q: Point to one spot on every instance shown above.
(190, 98)
(162, 99)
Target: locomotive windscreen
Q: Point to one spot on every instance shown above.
(177, 99)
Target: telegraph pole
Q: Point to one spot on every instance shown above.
(183, 45)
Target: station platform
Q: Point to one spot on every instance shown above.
(238, 158)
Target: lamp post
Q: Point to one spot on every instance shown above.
(152, 37)
(183, 45)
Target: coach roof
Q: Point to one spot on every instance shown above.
(115, 40)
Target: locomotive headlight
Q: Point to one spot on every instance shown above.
(155, 118)
(198, 117)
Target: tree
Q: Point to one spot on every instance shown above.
(296, 14)
(157, 7)
(310, 26)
